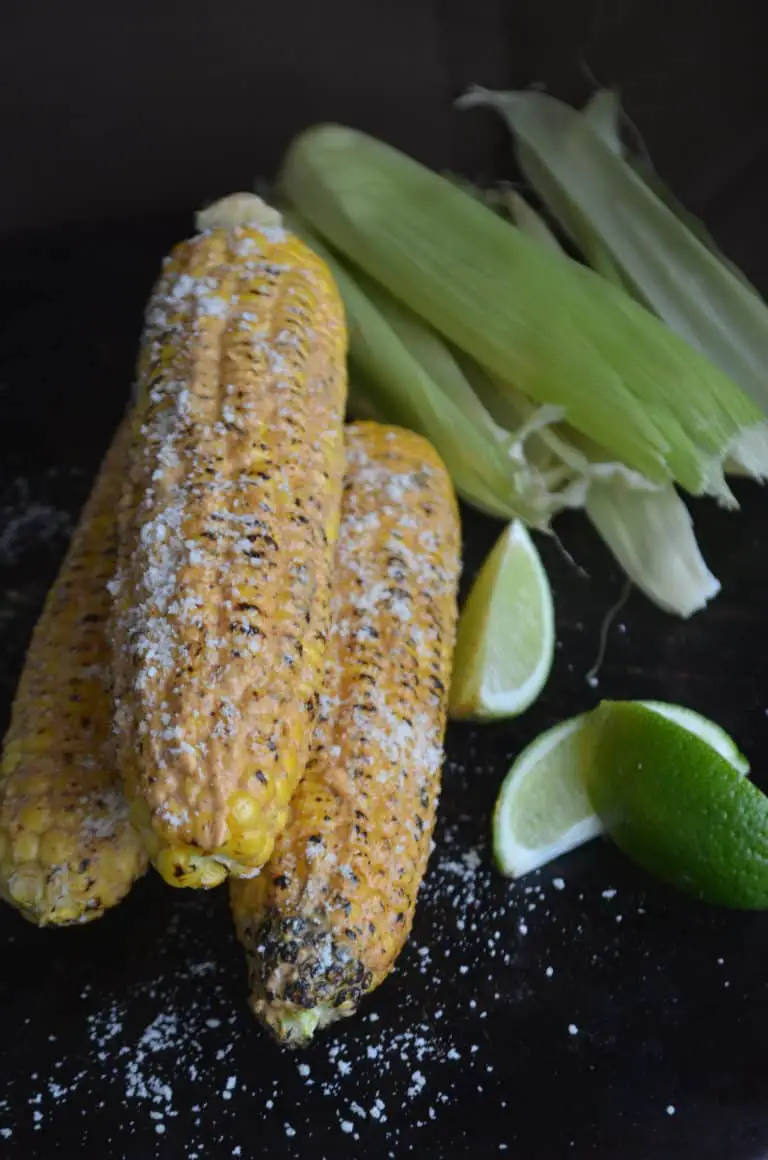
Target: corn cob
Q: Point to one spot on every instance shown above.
(324, 922)
(67, 849)
(226, 531)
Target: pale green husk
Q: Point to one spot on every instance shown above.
(545, 482)
(554, 329)
(618, 212)
(649, 531)
(604, 114)
(402, 372)
(396, 389)
(651, 535)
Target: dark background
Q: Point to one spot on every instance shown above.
(116, 110)
(116, 124)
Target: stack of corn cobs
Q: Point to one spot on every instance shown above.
(241, 672)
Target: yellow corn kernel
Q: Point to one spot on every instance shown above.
(24, 888)
(211, 874)
(254, 849)
(25, 847)
(54, 848)
(183, 866)
(242, 809)
(35, 817)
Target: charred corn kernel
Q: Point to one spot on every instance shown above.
(325, 920)
(67, 848)
(225, 526)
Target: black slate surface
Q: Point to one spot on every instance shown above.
(551, 1018)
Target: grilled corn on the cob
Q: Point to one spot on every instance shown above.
(326, 919)
(226, 531)
(67, 849)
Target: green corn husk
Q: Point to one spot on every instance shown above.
(649, 531)
(651, 535)
(555, 441)
(433, 355)
(604, 115)
(393, 383)
(528, 220)
(560, 333)
(627, 224)
(547, 471)
(527, 431)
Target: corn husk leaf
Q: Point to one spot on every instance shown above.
(651, 535)
(604, 114)
(434, 356)
(546, 469)
(558, 332)
(648, 530)
(393, 386)
(619, 213)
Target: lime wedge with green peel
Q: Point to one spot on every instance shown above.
(543, 810)
(506, 635)
(676, 803)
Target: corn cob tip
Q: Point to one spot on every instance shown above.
(304, 979)
(291, 1026)
(324, 923)
(238, 209)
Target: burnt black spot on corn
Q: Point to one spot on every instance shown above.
(370, 789)
(67, 848)
(223, 607)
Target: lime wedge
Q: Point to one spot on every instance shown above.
(543, 810)
(676, 804)
(506, 635)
